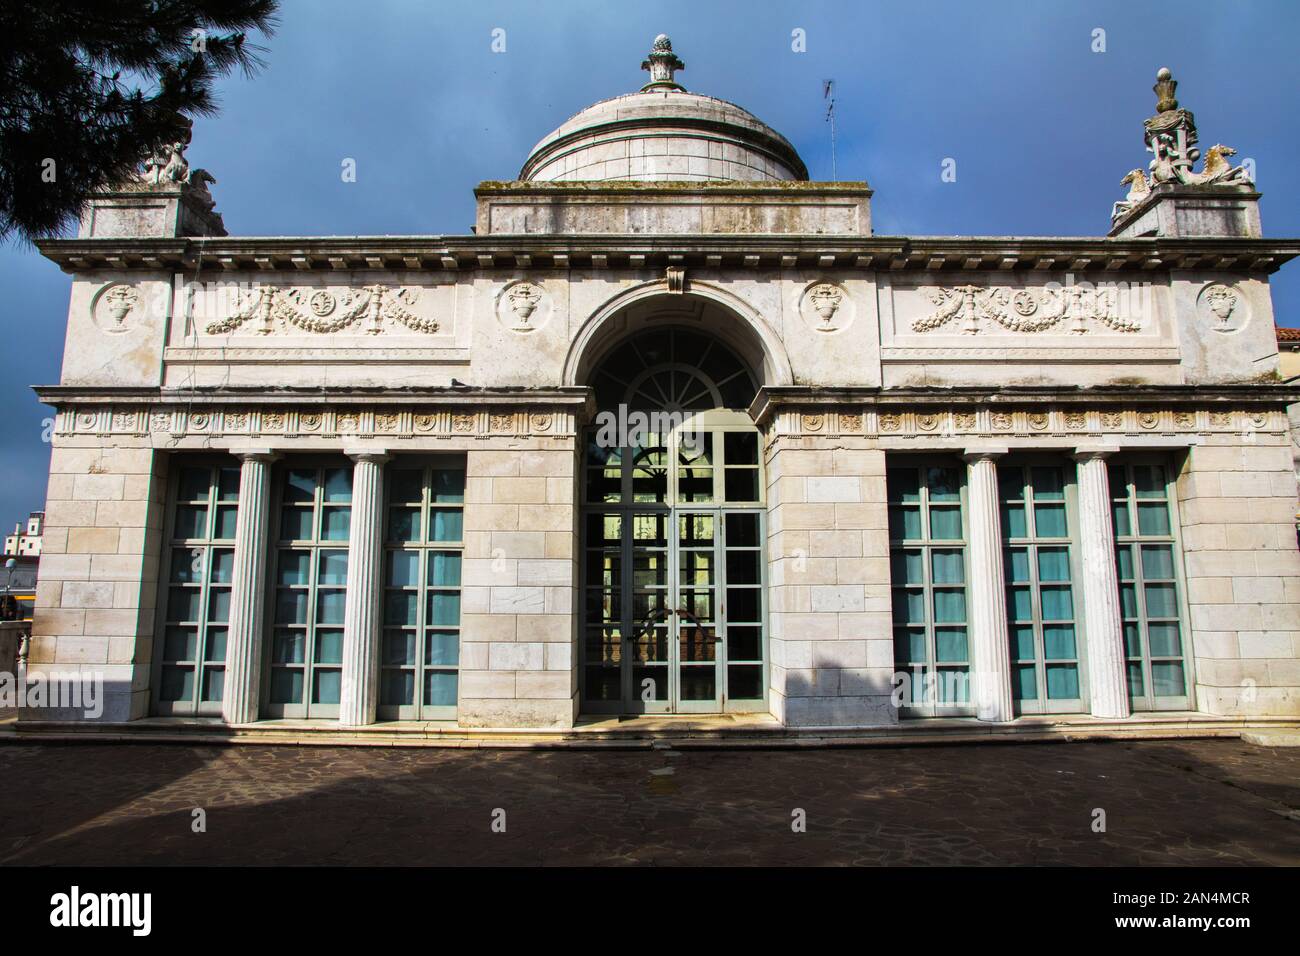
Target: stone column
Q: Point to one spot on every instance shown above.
(1103, 626)
(248, 589)
(359, 697)
(990, 648)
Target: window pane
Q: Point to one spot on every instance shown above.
(328, 685)
(1157, 562)
(1020, 604)
(909, 645)
(903, 484)
(299, 485)
(333, 567)
(224, 527)
(403, 569)
(329, 646)
(742, 530)
(444, 568)
(945, 523)
(228, 484)
(399, 648)
(295, 524)
(223, 566)
(398, 689)
(1120, 518)
(1164, 639)
(183, 604)
(741, 484)
(440, 688)
(904, 523)
(447, 524)
(448, 485)
(948, 567)
(444, 608)
(1024, 684)
(944, 484)
(214, 681)
(909, 606)
(215, 652)
(1128, 600)
(740, 448)
(1161, 601)
(187, 565)
(1053, 564)
(288, 646)
(405, 486)
(1132, 640)
(180, 644)
(1135, 680)
(294, 567)
(400, 607)
(950, 644)
(1058, 642)
(403, 524)
(949, 606)
(286, 686)
(1153, 518)
(1049, 521)
(1022, 642)
(1058, 604)
(1167, 679)
(1048, 483)
(907, 567)
(1149, 481)
(442, 648)
(291, 607)
(1013, 522)
(177, 683)
(335, 523)
(194, 484)
(1017, 568)
(219, 605)
(338, 484)
(191, 522)
(1062, 682)
(330, 606)
(1124, 562)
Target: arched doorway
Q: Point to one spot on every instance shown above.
(673, 565)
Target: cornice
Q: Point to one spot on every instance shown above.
(453, 254)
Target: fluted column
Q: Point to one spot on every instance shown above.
(243, 683)
(360, 693)
(987, 624)
(1103, 622)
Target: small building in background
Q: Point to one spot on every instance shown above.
(26, 540)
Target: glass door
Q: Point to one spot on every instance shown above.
(673, 574)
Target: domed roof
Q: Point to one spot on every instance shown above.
(663, 133)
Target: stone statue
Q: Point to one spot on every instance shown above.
(1138, 190)
(1170, 136)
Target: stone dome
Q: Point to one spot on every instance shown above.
(663, 133)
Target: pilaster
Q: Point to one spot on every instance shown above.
(248, 589)
(990, 653)
(1103, 623)
(359, 698)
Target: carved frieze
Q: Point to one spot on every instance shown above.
(372, 309)
(1075, 308)
(216, 421)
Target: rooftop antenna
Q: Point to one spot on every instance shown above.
(828, 94)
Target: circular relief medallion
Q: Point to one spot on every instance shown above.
(322, 302)
(1223, 308)
(523, 306)
(826, 307)
(116, 308)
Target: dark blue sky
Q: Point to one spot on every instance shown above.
(1041, 128)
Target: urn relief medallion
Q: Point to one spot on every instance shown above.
(826, 307)
(1223, 308)
(523, 306)
(114, 308)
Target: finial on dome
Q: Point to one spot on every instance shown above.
(662, 63)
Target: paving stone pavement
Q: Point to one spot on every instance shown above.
(1209, 802)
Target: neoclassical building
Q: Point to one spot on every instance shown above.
(674, 432)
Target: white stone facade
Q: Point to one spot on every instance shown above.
(1086, 357)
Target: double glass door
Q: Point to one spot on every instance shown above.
(673, 586)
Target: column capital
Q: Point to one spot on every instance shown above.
(247, 453)
(992, 453)
(1094, 452)
(366, 453)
